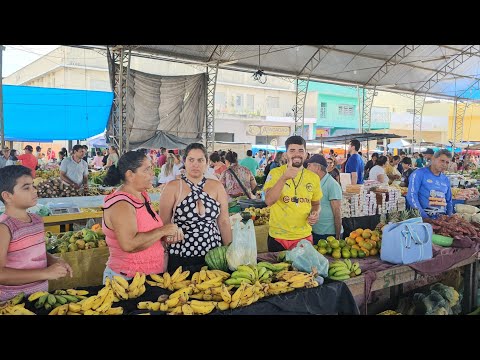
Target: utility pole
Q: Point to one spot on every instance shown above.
(2, 123)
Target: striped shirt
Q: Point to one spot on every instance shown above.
(26, 251)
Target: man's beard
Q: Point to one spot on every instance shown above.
(299, 164)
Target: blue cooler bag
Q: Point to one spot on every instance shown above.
(406, 242)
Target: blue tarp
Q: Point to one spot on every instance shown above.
(46, 114)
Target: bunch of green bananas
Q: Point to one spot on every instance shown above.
(60, 297)
(343, 270)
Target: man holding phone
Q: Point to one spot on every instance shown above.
(293, 194)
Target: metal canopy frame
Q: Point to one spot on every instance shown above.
(442, 71)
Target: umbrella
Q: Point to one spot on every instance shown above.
(399, 144)
(97, 141)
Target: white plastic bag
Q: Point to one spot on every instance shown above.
(243, 249)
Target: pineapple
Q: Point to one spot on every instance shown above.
(393, 217)
(414, 213)
(404, 215)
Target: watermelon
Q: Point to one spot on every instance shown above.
(216, 258)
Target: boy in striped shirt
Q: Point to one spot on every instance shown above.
(25, 265)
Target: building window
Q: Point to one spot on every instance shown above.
(238, 102)
(273, 102)
(220, 101)
(380, 114)
(323, 110)
(219, 136)
(345, 110)
(250, 103)
(265, 140)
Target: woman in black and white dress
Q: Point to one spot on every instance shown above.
(200, 208)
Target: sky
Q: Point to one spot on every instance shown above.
(17, 56)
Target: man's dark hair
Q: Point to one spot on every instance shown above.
(296, 140)
(355, 143)
(214, 157)
(402, 153)
(407, 160)
(249, 152)
(85, 147)
(360, 153)
(375, 155)
(38, 148)
(382, 160)
(396, 157)
(9, 176)
(77, 147)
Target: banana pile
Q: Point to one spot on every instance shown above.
(100, 304)
(60, 297)
(170, 282)
(250, 274)
(124, 291)
(291, 280)
(13, 306)
(343, 270)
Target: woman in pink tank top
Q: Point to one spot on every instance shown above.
(133, 231)
(25, 265)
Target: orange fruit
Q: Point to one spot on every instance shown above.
(359, 230)
(373, 252)
(353, 234)
(366, 234)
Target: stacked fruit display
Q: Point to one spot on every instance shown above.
(213, 289)
(14, 306)
(75, 240)
(54, 187)
(47, 174)
(259, 216)
(343, 270)
(361, 243)
(44, 299)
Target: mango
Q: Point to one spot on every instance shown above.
(346, 254)
(322, 243)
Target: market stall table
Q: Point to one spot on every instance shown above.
(331, 298)
(88, 265)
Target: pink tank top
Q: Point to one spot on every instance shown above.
(148, 261)
(26, 251)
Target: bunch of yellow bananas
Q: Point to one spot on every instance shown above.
(298, 279)
(343, 270)
(171, 282)
(59, 297)
(13, 306)
(100, 304)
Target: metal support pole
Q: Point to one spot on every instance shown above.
(212, 72)
(460, 108)
(368, 97)
(121, 67)
(2, 122)
(418, 102)
(299, 108)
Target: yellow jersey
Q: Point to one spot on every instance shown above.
(288, 216)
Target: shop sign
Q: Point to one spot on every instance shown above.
(268, 130)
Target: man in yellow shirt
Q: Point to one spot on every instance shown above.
(293, 194)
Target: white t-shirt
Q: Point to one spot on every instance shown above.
(378, 170)
(166, 179)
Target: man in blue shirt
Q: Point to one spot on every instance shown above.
(429, 189)
(355, 163)
(330, 220)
